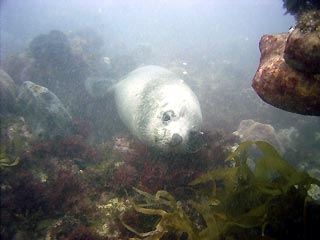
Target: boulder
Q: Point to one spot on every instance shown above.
(7, 94)
(282, 85)
(302, 51)
(44, 112)
(51, 49)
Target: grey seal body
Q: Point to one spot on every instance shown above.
(158, 108)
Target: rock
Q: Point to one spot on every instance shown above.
(97, 87)
(51, 49)
(7, 93)
(314, 172)
(282, 86)
(18, 66)
(250, 130)
(43, 111)
(314, 192)
(302, 51)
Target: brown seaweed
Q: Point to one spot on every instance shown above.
(240, 201)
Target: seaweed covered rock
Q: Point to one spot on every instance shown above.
(51, 49)
(44, 112)
(302, 50)
(7, 93)
(283, 86)
(288, 76)
(55, 66)
(88, 45)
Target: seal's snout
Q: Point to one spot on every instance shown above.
(176, 139)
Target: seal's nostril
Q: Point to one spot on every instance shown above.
(176, 139)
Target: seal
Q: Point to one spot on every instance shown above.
(159, 109)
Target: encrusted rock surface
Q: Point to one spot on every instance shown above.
(302, 51)
(282, 86)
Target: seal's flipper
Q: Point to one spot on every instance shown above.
(98, 87)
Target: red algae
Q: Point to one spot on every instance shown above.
(66, 147)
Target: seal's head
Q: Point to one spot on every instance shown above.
(159, 109)
(176, 120)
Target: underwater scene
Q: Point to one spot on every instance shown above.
(160, 119)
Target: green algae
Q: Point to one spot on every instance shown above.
(14, 141)
(233, 202)
(4, 159)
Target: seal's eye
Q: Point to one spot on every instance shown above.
(166, 117)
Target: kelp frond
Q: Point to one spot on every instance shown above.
(172, 219)
(238, 199)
